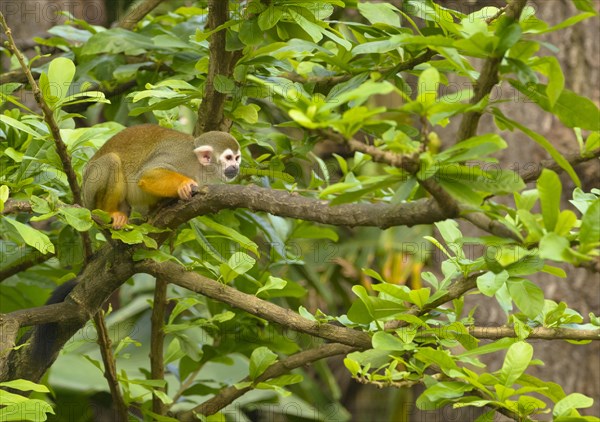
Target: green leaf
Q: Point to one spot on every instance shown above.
(527, 296)
(231, 233)
(589, 234)
(250, 32)
(509, 35)
(386, 341)
(260, 360)
(131, 237)
(441, 391)
(566, 221)
(516, 362)
(25, 385)
(553, 246)
(239, 263)
(449, 231)
(489, 283)
(19, 125)
(572, 110)
(385, 13)
(248, 113)
(440, 358)
(269, 17)
(429, 82)
(4, 193)
(78, 218)
(572, 401)
(32, 237)
(550, 67)
(273, 283)
(311, 28)
(224, 85)
(476, 147)
(419, 297)
(543, 142)
(352, 366)
(493, 347)
(592, 142)
(550, 189)
(308, 230)
(117, 40)
(60, 75)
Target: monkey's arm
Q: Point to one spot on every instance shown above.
(166, 184)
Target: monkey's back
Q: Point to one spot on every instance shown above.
(136, 144)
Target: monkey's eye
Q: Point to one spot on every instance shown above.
(238, 158)
(229, 157)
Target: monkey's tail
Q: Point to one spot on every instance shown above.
(45, 335)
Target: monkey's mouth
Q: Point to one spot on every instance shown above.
(230, 173)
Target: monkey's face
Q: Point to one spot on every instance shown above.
(230, 164)
(223, 164)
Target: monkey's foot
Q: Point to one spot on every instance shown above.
(186, 189)
(119, 219)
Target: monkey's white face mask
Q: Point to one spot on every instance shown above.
(225, 167)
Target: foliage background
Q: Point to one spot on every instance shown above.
(331, 267)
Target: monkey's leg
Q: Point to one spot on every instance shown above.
(166, 184)
(105, 186)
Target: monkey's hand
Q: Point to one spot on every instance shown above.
(187, 189)
(119, 219)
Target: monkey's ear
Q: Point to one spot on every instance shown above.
(204, 154)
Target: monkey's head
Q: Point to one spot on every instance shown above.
(219, 155)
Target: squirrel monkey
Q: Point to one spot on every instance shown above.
(143, 164)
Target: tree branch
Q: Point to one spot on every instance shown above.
(229, 394)
(531, 173)
(110, 366)
(157, 340)
(488, 78)
(542, 333)
(61, 148)
(211, 111)
(29, 261)
(136, 13)
(210, 288)
(213, 198)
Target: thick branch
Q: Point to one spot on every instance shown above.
(213, 198)
(488, 78)
(105, 273)
(176, 274)
(229, 394)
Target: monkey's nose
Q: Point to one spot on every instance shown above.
(231, 172)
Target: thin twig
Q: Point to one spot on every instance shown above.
(61, 147)
(532, 172)
(29, 261)
(157, 340)
(110, 367)
(229, 394)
